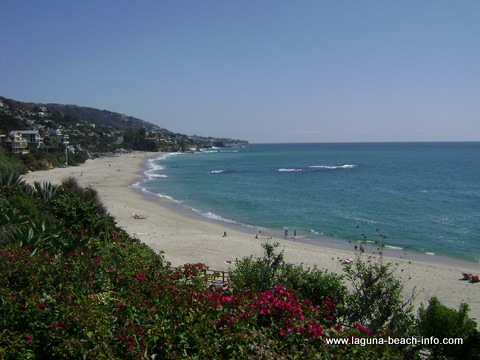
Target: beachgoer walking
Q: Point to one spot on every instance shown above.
(286, 233)
(362, 249)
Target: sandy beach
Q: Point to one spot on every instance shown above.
(186, 239)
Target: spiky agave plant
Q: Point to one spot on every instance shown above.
(9, 177)
(45, 191)
(39, 236)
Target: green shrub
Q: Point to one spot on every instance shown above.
(376, 298)
(271, 270)
(441, 322)
(87, 193)
(25, 205)
(259, 273)
(80, 209)
(10, 162)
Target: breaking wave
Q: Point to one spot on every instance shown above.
(315, 168)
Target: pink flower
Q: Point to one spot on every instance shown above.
(28, 336)
(361, 328)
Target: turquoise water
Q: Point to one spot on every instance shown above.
(420, 196)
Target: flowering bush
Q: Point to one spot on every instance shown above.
(119, 301)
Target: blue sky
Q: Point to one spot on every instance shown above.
(265, 71)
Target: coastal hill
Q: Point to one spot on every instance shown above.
(104, 118)
(49, 135)
(95, 116)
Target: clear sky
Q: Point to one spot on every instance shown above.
(260, 70)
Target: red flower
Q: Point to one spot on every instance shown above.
(221, 323)
(315, 330)
(41, 305)
(60, 325)
(28, 336)
(361, 327)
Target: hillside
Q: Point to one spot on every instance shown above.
(99, 117)
(48, 135)
(102, 117)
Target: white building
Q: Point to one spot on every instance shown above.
(19, 140)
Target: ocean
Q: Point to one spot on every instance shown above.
(423, 197)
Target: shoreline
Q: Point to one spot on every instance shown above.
(388, 251)
(186, 239)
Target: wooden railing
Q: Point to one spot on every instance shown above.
(217, 277)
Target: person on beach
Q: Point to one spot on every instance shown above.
(362, 249)
(286, 233)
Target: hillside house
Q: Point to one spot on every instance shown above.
(18, 141)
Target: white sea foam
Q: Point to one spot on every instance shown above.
(333, 167)
(290, 170)
(217, 172)
(211, 216)
(136, 185)
(430, 253)
(319, 167)
(393, 247)
(154, 167)
(156, 176)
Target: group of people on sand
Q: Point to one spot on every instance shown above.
(470, 277)
(294, 233)
(361, 248)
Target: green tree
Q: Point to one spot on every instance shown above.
(376, 300)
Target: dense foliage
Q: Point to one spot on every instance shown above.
(271, 270)
(376, 299)
(75, 286)
(441, 322)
